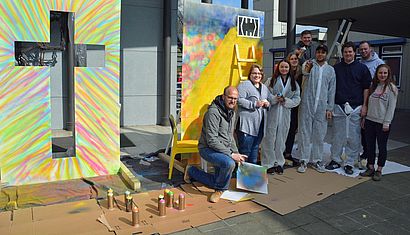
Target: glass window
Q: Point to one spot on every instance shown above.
(395, 64)
(392, 49)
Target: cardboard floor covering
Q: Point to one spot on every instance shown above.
(292, 190)
(93, 217)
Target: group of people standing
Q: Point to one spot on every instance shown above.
(302, 96)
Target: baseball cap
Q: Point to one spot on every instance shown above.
(322, 47)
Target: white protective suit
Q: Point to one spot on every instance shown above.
(318, 96)
(278, 121)
(346, 133)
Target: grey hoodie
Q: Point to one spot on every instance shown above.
(372, 62)
(217, 129)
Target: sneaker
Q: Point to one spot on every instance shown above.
(348, 169)
(362, 163)
(332, 165)
(187, 179)
(271, 170)
(302, 167)
(214, 198)
(318, 166)
(377, 176)
(279, 170)
(368, 173)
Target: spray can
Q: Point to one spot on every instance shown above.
(162, 209)
(126, 194)
(160, 197)
(170, 202)
(166, 196)
(128, 203)
(110, 199)
(135, 216)
(181, 202)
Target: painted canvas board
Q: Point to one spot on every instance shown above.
(252, 177)
(209, 61)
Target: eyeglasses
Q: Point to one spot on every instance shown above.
(232, 98)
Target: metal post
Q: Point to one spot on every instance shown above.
(245, 4)
(70, 73)
(291, 25)
(167, 62)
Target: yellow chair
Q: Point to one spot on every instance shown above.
(179, 146)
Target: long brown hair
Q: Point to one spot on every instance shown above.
(276, 74)
(296, 73)
(388, 83)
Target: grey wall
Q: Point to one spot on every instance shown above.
(142, 61)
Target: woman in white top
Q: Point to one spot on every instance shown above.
(286, 93)
(381, 105)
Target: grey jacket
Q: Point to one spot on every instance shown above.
(372, 63)
(250, 117)
(217, 129)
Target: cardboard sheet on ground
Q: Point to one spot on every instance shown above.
(252, 177)
(390, 167)
(292, 190)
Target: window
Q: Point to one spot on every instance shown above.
(394, 62)
(392, 49)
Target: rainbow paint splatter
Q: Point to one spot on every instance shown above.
(209, 62)
(25, 113)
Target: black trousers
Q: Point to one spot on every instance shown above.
(374, 132)
(290, 140)
(364, 144)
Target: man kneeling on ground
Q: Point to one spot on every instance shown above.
(217, 145)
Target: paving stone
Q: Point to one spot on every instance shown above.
(382, 211)
(365, 231)
(224, 231)
(294, 231)
(400, 205)
(344, 224)
(213, 226)
(240, 219)
(388, 228)
(401, 221)
(253, 227)
(192, 231)
(301, 217)
(275, 222)
(363, 217)
(321, 227)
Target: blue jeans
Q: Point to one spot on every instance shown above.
(249, 145)
(223, 165)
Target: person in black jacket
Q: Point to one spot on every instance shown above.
(352, 89)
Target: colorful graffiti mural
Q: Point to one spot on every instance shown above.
(209, 62)
(25, 113)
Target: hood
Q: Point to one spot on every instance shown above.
(373, 57)
(218, 103)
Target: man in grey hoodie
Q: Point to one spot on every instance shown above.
(371, 60)
(217, 145)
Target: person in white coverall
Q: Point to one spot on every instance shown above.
(286, 93)
(317, 104)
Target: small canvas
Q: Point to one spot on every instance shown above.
(252, 177)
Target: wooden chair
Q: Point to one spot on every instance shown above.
(179, 146)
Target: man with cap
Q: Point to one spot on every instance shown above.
(316, 108)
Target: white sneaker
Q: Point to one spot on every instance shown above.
(318, 166)
(302, 167)
(362, 164)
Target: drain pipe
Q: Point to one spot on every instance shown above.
(291, 25)
(167, 61)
